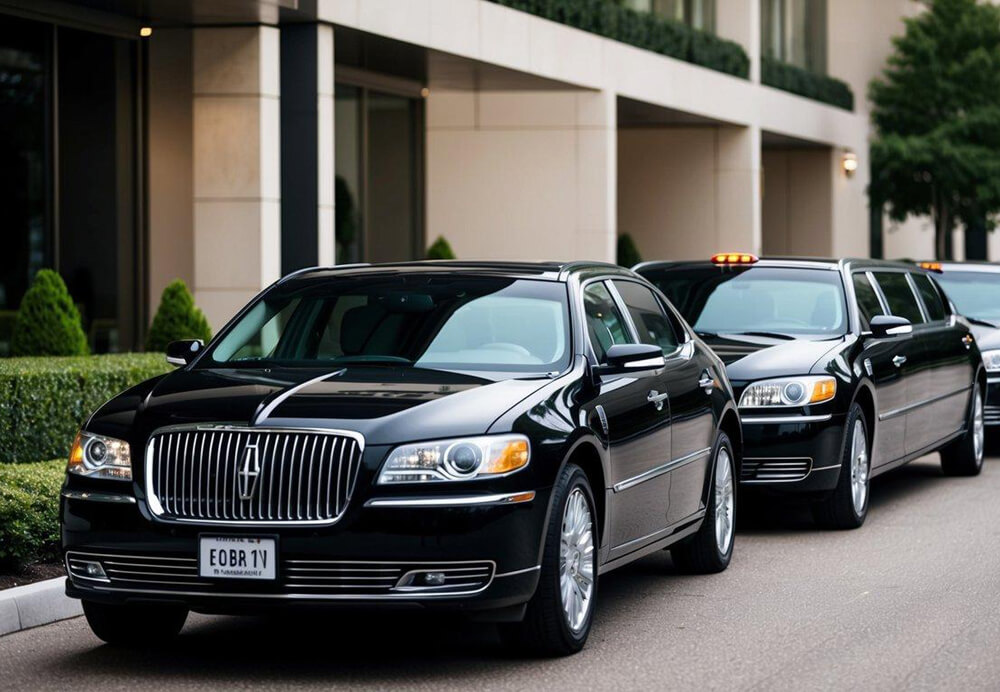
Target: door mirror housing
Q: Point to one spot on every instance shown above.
(625, 358)
(884, 326)
(181, 353)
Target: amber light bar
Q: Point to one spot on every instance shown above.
(734, 258)
(932, 266)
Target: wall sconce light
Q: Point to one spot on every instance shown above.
(849, 162)
(146, 31)
(425, 92)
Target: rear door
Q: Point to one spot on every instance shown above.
(692, 426)
(637, 410)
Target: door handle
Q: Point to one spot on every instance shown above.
(898, 361)
(656, 399)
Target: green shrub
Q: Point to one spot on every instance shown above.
(177, 318)
(48, 323)
(440, 250)
(43, 401)
(628, 253)
(29, 513)
(796, 80)
(643, 30)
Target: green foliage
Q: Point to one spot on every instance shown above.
(628, 253)
(797, 80)
(177, 318)
(937, 117)
(643, 30)
(440, 250)
(29, 512)
(48, 323)
(43, 401)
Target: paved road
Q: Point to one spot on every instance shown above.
(911, 601)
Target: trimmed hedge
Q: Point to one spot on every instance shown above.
(177, 318)
(628, 252)
(48, 323)
(43, 401)
(643, 30)
(440, 249)
(29, 513)
(796, 80)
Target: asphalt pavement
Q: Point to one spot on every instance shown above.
(909, 601)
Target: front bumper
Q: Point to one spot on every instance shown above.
(795, 454)
(991, 407)
(488, 554)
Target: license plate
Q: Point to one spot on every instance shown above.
(237, 557)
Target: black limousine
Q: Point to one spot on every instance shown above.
(844, 369)
(487, 437)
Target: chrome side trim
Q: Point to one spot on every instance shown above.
(176, 361)
(910, 407)
(112, 498)
(519, 571)
(993, 380)
(660, 470)
(764, 420)
(291, 391)
(826, 468)
(463, 501)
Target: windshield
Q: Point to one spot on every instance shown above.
(447, 323)
(975, 294)
(768, 301)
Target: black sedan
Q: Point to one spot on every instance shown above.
(478, 436)
(844, 369)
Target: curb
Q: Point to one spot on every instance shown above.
(32, 605)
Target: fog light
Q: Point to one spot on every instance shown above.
(434, 578)
(94, 570)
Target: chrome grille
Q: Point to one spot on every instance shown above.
(238, 475)
(775, 470)
(991, 415)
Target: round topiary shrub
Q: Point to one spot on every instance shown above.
(440, 250)
(48, 323)
(177, 318)
(628, 253)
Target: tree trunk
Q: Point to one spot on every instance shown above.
(942, 228)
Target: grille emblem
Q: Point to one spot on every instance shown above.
(249, 471)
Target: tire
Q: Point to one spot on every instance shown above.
(710, 550)
(846, 507)
(134, 625)
(964, 456)
(569, 557)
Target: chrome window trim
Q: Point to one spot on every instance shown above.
(462, 501)
(153, 503)
(660, 470)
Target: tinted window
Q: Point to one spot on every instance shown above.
(775, 299)
(448, 323)
(975, 294)
(868, 303)
(930, 295)
(650, 321)
(604, 322)
(899, 295)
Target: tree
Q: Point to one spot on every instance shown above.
(177, 318)
(628, 254)
(48, 323)
(440, 250)
(936, 112)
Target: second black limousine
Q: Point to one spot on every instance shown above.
(844, 369)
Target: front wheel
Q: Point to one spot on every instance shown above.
(557, 621)
(134, 625)
(847, 506)
(711, 549)
(964, 456)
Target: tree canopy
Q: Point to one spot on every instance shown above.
(936, 111)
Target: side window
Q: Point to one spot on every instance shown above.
(650, 321)
(868, 303)
(604, 323)
(931, 296)
(899, 296)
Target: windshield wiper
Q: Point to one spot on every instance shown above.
(769, 335)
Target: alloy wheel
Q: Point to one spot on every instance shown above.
(978, 431)
(859, 467)
(724, 500)
(576, 560)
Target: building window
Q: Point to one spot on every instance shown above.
(698, 14)
(794, 31)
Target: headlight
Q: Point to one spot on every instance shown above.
(991, 359)
(789, 391)
(97, 456)
(456, 460)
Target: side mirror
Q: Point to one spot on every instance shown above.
(884, 326)
(183, 352)
(624, 358)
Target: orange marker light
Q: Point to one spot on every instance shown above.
(730, 258)
(823, 390)
(932, 266)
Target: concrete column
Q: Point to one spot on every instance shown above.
(307, 146)
(739, 20)
(237, 189)
(738, 189)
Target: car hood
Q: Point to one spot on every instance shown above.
(987, 338)
(754, 358)
(386, 405)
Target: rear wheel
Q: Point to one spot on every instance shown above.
(558, 618)
(847, 506)
(964, 456)
(711, 549)
(134, 625)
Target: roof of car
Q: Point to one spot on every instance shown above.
(792, 262)
(546, 270)
(972, 266)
